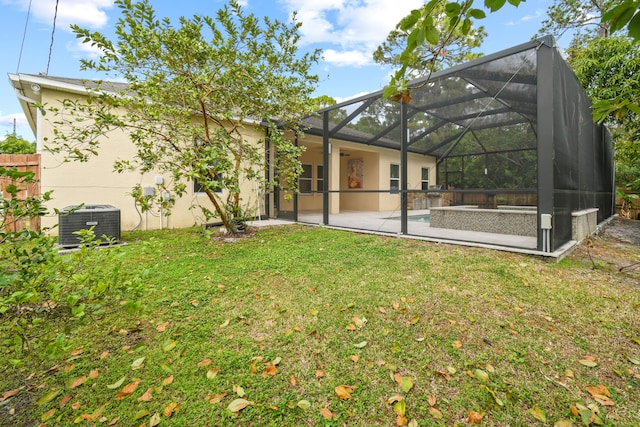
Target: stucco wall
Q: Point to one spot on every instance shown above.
(376, 176)
(95, 182)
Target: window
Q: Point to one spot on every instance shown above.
(199, 188)
(319, 178)
(305, 179)
(425, 178)
(394, 177)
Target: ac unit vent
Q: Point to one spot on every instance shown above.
(104, 219)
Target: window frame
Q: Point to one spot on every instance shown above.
(394, 180)
(308, 179)
(422, 180)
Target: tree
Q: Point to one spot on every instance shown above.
(14, 144)
(582, 16)
(609, 70)
(425, 58)
(422, 29)
(193, 92)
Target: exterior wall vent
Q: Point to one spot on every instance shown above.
(104, 218)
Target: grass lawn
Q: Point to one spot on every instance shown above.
(304, 326)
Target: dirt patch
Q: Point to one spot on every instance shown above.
(615, 248)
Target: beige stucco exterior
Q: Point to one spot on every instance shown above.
(377, 164)
(96, 182)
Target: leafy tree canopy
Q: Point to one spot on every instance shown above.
(194, 88)
(581, 16)
(15, 144)
(430, 56)
(423, 28)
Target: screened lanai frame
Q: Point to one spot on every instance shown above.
(515, 122)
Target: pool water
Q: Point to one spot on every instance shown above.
(414, 218)
(419, 218)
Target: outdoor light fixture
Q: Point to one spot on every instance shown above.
(35, 87)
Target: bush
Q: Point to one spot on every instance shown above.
(43, 295)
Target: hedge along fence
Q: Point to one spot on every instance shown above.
(23, 163)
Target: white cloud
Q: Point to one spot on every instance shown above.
(20, 120)
(346, 58)
(89, 13)
(533, 17)
(83, 50)
(353, 26)
(347, 98)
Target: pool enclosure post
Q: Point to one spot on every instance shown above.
(545, 149)
(404, 145)
(325, 168)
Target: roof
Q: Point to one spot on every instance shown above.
(463, 103)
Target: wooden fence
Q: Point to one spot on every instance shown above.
(22, 162)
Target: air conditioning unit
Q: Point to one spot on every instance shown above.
(104, 219)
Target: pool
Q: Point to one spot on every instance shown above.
(414, 218)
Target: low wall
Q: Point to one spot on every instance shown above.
(583, 223)
(503, 221)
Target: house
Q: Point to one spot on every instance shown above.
(501, 152)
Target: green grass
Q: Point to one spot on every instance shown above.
(306, 297)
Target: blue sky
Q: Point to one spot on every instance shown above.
(346, 30)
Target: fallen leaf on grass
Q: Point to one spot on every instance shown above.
(406, 383)
(481, 375)
(47, 397)
(269, 371)
(170, 409)
(326, 413)
(600, 394)
(77, 382)
(361, 344)
(435, 413)
(64, 401)
(355, 358)
(140, 414)
(155, 420)
(162, 327)
(169, 345)
(432, 400)
(382, 310)
(351, 327)
(10, 393)
(138, 363)
(238, 405)
(563, 423)
(456, 344)
(588, 361)
(211, 373)
(344, 391)
(127, 390)
(146, 396)
(204, 362)
(167, 380)
(395, 398)
(319, 374)
(48, 415)
(475, 417)
(238, 390)
(632, 360)
(538, 414)
(217, 398)
(77, 351)
(304, 404)
(225, 324)
(293, 381)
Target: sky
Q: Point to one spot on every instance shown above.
(347, 31)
